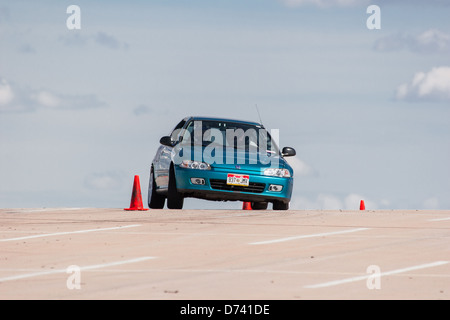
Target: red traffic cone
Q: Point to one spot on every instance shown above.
(136, 198)
(247, 206)
(362, 206)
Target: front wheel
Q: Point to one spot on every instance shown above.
(280, 205)
(155, 200)
(259, 205)
(175, 199)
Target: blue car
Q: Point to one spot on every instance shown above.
(221, 160)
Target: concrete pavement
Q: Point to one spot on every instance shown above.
(90, 253)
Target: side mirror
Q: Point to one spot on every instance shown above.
(166, 141)
(288, 152)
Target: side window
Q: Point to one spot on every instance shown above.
(192, 129)
(188, 133)
(177, 130)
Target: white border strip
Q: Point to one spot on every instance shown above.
(440, 219)
(388, 273)
(96, 266)
(68, 232)
(309, 236)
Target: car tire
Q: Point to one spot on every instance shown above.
(280, 205)
(259, 205)
(175, 199)
(155, 200)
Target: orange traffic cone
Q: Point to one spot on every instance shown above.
(136, 198)
(247, 206)
(362, 206)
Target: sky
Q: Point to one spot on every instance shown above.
(367, 110)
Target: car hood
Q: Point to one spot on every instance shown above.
(232, 159)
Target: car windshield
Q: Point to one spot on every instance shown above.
(237, 135)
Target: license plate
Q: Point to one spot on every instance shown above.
(237, 179)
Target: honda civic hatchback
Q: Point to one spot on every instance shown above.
(221, 160)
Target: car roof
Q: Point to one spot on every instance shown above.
(223, 119)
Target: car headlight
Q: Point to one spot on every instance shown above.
(190, 164)
(277, 172)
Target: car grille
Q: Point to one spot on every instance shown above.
(222, 185)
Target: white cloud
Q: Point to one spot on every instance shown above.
(80, 101)
(431, 203)
(430, 86)
(99, 38)
(353, 201)
(46, 99)
(11, 97)
(73, 39)
(6, 93)
(433, 40)
(104, 181)
(325, 201)
(14, 98)
(391, 42)
(300, 167)
(108, 41)
(322, 202)
(429, 41)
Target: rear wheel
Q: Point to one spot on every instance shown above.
(175, 199)
(155, 200)
(280, 205)
(259, 205)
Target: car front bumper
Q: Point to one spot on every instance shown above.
(215, 186)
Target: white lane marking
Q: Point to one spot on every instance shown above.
(96, 266)
(308, 236)
(359, 278)
(68, 232)
(439, 219)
